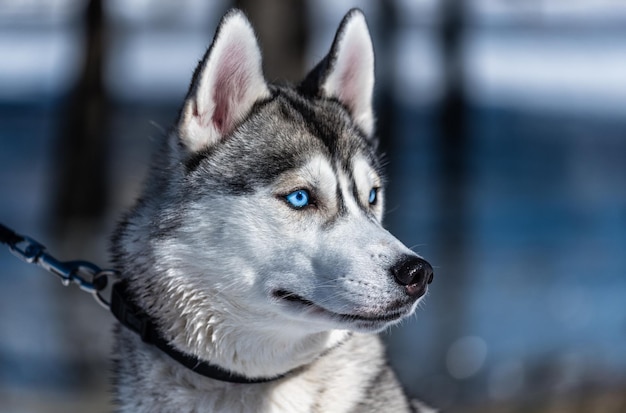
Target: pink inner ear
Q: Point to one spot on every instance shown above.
(219, 116)
(232, 80)
(350, 79)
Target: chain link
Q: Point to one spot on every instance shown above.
(88, 276)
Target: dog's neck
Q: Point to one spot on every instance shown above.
(257, 353)
(252, 345)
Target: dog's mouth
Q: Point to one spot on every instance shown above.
(366, 321)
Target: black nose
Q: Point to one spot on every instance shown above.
(413, 273)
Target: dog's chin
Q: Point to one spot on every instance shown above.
(371, 322)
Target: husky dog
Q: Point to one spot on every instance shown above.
(257, 247)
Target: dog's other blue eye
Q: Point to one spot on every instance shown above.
(299, 198)
(373, 196)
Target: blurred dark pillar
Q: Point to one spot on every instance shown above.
(282, 28)
(82, 150)
(80, 200)
(452, 199)
(383, 99)
(452, 120)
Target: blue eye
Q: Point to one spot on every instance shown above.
(373, 196)
(298, 199)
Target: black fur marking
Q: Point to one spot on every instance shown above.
(192, 163)
(342, 210)
(352, 187)
(319, 124)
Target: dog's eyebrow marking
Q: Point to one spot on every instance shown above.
(368, 179)
(340, 204)
(353, 188)
(342, 208)
(350, 203)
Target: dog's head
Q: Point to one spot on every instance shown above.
(268, 211)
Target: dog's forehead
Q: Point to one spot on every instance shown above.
(318, 133)
(306, 127)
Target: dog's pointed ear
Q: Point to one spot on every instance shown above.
(225, 86)
(347, 72)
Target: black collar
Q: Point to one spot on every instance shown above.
(131, 316)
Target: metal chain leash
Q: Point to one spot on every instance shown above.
(88, 276)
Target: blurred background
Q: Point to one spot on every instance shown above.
(504, 123)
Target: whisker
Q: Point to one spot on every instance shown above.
(412, 247)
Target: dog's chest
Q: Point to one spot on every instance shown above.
(148, 381)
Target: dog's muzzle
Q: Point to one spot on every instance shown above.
(413, 273)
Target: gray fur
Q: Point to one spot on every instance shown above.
(232, 274)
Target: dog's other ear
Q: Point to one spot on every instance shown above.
(225, 86)
(347, 72)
